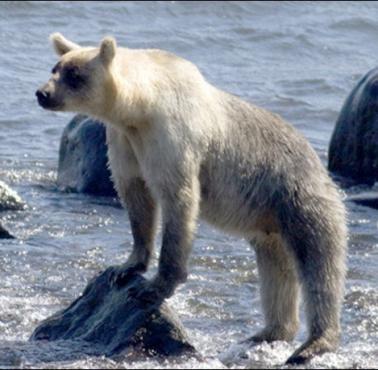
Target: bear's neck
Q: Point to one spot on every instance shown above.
(127, 111)
(123, 105)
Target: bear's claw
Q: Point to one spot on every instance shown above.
(121, 275)
(297, 360)
(313, 347)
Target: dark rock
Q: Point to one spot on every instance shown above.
(114, 322)
(353, 151)
(83, 158)
(4, 234)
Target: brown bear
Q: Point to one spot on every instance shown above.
(178, 144)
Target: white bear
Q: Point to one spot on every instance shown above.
(180, 144)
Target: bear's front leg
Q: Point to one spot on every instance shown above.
(180, 208)
(142, 214)
(137, 199)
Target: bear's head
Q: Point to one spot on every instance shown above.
(82, 80)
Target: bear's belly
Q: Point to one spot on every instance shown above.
(231, 215)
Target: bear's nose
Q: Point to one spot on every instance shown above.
(42, 96)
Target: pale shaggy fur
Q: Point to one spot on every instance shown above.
(178, 143)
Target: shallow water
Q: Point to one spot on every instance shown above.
(297, 59)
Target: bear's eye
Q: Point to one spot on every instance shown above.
(73, 78)
(56, 68)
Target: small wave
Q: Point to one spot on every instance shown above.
(25, 176)
(356, 24)
(308, 85)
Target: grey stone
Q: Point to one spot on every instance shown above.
(82, 163)
(353, 151)
(9, 199)
(115, 322)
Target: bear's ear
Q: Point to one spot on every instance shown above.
(108, 49)
(61, 44)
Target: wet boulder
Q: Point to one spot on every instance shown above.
(116, 323)
(353, 151)
(9, 199)
(82, 163)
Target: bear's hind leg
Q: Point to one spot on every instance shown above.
(319, 244)
(279, 290)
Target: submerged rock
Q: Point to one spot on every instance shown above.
(9, 359)
(36, 354)
(83, 160)
(114, 322)
(369, 199)
(353, 151)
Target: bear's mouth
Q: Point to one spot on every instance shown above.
(53, 107)
(47, 102)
